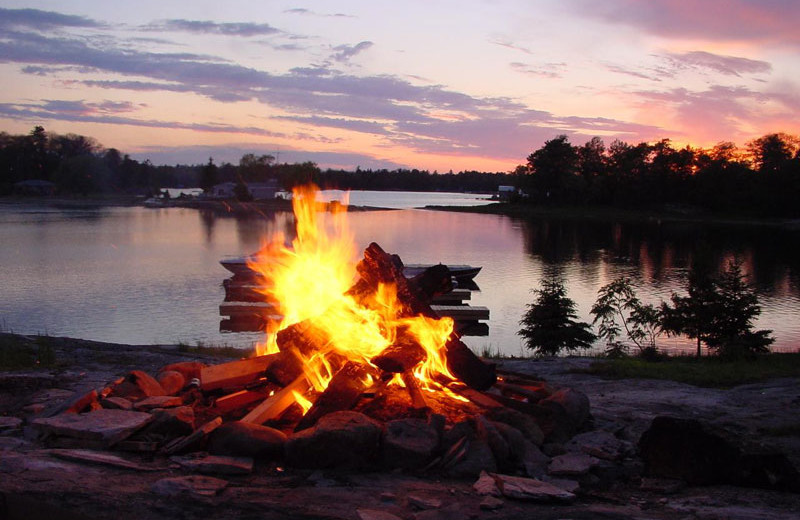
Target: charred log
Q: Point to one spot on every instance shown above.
(402, 355)
(342, 393)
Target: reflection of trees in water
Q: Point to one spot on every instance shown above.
(770, 256)
(252, 228)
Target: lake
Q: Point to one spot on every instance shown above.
(152, 276)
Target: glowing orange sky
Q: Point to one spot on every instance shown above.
(431, 85)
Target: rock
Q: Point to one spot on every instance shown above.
(171, 422)
(522, 422)
(563, 414)
(515, 440)
(215, 464)
(344, 439)
(9, 423)
(247, 440)
(188, 369)
(101, 458)
(534, 461)
(171, 381)
(116, 403)
(662, 486)
(374, 514)
(690, 450)
(520, 488)
(497, 443)
(571, 486)
(104, 426)
(190, 485)
(157, 401)
(572, 464)
(145, 383)
(409, 443)
(78, 402)
(477, 457)
(491, 504)
(601, 444)
(423, 502)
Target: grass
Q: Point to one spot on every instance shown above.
(18, 353)
(224, 351)
(706, 372)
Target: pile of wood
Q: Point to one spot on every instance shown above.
(360, 418)
(245, 308)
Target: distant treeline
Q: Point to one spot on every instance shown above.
(763, 179)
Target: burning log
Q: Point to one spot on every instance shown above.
(342, 393)
(418, 401)
(234, 374)
(402, 355)
(277, 403)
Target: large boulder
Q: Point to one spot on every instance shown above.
(693, 451)
(240, 439)
(409, 443)
(341, 439)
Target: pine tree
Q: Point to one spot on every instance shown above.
(549, 326)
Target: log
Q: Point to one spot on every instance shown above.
(377, 266)
(238, 400)
(462, 312)
(302, 336)
(277, 403)
(234, 374)
(418, 401)
(194, 441)
(286, 368)
(433, 281)
(402, 355)
(342, 393)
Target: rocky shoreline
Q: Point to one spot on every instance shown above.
(38, 481)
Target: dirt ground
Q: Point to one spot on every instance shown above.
(35, 484)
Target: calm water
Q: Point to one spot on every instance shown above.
(141, 275)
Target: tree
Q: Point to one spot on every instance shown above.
(693, 315)
(733, 333)
(617, 307)
(209, 175)
(549, 326)
(554, 168)
(255, 168)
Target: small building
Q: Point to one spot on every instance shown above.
(34, 188)
(225, 190)
(263, 190)
(505, 193)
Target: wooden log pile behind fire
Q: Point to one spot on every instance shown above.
(371, 413)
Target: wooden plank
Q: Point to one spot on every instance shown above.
(472, 328)
(238, 400)
(456, 295)
(462, 312)
(234, 374)
(250, 292)
(275, 405)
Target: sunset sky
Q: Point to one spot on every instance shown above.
(438, 85)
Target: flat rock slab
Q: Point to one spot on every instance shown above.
(105, 425)
(190, 485)
(375, 514)
(216, 464)
(158, 401)
(520, 488)
(601, 444)
(98, 457)
(572, 464)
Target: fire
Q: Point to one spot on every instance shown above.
(310, 279)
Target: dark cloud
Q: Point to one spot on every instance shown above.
(209, 27)
(738, 20)
(728, 65)
(355, 125)
(345, 52)
(42, 20)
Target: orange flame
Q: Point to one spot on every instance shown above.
(310, 279)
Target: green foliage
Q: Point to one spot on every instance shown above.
(718, 311)
(707, 372)
(549, 325)
(618, 308)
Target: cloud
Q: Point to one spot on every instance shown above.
(727, 65)
(308, 12)
(636, 73)
(548, 70)
(209, 27)
(510, 45)
(42, 20)
(722, 20)
(345, 52)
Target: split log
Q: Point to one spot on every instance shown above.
(238, 400)
(402, 355)
(234, 374)
(342, 393)
(466, 366)
(286, 368)
(418, 401)
(277, 403)
(303, 336)
(194, 441)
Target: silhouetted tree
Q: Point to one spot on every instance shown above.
(554, 171)
(209, 175)
(549, 325)
(617, 308)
